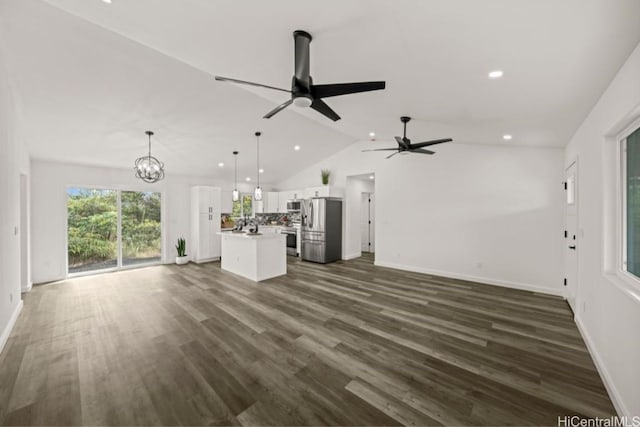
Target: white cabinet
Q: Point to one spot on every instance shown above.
(226, 204)
(273, 204)
(205, 223)
(283, 196)
(322, 191)
(258, 205)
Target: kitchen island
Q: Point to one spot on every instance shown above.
(254, 256)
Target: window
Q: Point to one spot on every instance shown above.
(243, 207)
(631, 203)
(109, 229)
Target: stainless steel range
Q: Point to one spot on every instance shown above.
(293, 238)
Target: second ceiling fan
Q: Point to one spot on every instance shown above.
(405, 145)
(303, 92)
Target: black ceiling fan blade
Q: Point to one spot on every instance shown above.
(337, 89)
(324, 109)
(381, 149)
(391, 155)
(301, 60)
(278, 109)
(401, 142)
(243, 82)
(421, 151)
(428, 143)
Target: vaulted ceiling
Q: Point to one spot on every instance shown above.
(91, 77)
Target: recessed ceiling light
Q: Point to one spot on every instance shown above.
(496, 74)
(296, 147)
(507, 137)
(261, 171)
(221, 165)
(248, 178)
(371, 176)
(372, 134)
(106, 1)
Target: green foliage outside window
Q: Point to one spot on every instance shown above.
(243, 207)
(92, 225)
(633, 203)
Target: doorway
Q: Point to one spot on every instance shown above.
(368, 222)
(570, 235)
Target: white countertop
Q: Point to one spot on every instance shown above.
(251, 236)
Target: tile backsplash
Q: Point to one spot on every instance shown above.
(265, 219)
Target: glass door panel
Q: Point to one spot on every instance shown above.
(141, 227)
(92, 224)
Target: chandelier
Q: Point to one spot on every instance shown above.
(148, 168)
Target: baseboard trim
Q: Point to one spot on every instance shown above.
(27, 288)
(484, 280)
(614, 395)
(352, 256)
(12, 321)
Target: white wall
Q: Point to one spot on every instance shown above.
(608, 309)
(49, 209)
(12, 162)
(482, 212)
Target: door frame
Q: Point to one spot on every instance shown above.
(119, 266)
(576, 288)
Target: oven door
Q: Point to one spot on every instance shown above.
(292, 242)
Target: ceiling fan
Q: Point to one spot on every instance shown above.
(405, 145)
(303, 92)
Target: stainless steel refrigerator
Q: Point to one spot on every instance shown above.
(321, 221)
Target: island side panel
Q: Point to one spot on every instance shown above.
(272, 257)
(239, 256)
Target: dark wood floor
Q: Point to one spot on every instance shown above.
(341, 344)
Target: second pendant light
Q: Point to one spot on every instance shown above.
(257, 194)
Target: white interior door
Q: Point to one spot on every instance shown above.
(571, 235)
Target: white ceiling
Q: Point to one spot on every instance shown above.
(90, 87)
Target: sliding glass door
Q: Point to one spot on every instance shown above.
(110, 229)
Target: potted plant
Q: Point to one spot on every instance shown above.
(325, 173)
(181, 247)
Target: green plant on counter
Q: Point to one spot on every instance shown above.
(325, 173)
(181, 247)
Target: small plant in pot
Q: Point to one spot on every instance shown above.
(181, 247)
(325, 173)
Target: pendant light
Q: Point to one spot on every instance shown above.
(236, 194)
(257, 194)
(148, 168)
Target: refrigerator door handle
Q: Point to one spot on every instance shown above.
(311, 213)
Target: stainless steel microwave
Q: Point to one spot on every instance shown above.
(294, 205)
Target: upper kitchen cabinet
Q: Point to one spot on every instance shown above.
(206, 199)
(226, 204)
(272, 200)
(259, 206)
(322, 191)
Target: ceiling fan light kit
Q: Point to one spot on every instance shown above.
(405, 146)
(303, 92)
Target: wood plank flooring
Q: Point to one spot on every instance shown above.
(341, 344)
